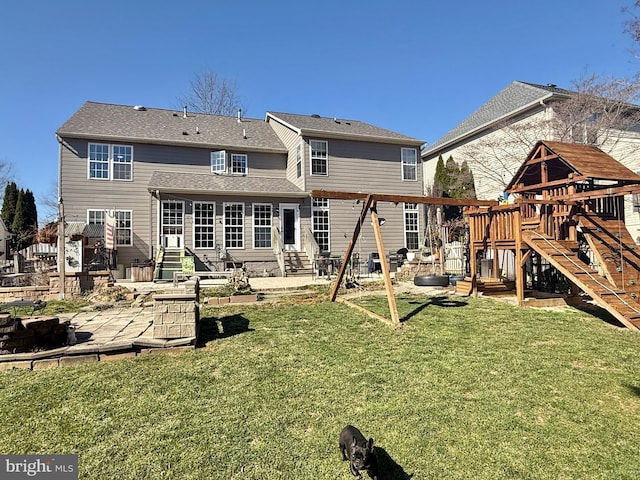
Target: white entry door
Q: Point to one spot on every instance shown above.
(172, 227)
(290, 226)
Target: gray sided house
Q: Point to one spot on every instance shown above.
(234, 190)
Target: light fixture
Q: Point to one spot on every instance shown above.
(381, 221)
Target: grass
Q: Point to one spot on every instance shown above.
(467, 388)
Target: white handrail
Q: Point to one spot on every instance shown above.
(278, 249)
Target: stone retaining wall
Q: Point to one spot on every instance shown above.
(76, 283)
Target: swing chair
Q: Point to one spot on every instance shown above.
(436, 255)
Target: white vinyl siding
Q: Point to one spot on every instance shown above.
(262, 220)
(110, 162)
(409, 164)
(204, 224)
(319, 157)
(234, 225)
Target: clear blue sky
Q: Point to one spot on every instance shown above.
(417, 67)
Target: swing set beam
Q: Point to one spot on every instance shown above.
(370, 206)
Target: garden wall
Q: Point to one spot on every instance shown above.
(76, 283)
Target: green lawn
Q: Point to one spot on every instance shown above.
(467, 388)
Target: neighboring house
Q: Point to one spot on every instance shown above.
(233, 190)
(496, 138)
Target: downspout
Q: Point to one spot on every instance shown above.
(150, 225)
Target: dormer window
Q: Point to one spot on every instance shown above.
(219, 161)
(237, 163)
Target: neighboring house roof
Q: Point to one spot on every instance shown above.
(325, 127)
(223, 184)
(585, 161)
(516, 98)
(101, 121)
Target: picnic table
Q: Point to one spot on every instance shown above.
(33, 305)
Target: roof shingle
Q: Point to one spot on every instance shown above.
(153, 125)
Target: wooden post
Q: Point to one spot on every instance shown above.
(352, 244)
(520, 269)
(395, 318)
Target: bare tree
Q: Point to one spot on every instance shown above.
(48, 201)
(212, 94)
(6, 172)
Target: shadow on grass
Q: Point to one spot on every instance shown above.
(388, 468)
(439, 301)
(212, 328)
(597, 311)
(635, 389)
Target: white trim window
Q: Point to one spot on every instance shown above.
(262, 221)
(319, 157)
(124, 224)
(320, 223)
(299, 160)
(219, 161)
(124, 228)
(239, 163)
(95, 217)
(409, 164)
(204, 224)
(411, 227)
(122, 162)
(99, 161)
(110, 162)
(233, 225)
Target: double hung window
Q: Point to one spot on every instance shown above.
(319, 157)
(110, 162)
(409, 164)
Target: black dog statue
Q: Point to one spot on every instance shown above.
(358, 451)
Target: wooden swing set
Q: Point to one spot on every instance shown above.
(566, 198)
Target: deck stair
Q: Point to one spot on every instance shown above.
(297, 264)
(622, 304)
(168, 263)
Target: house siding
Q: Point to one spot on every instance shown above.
(80, 193)
(291, 140)
(364, 166)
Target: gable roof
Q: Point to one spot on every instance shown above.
(572, 162)
(315, 125)
(516, 98)
(102, 121)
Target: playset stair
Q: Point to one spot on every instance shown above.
(621, 301)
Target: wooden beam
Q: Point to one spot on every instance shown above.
(602, 193)
(364, 310)
(401, 198)
(350, 247)
(391, 299)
